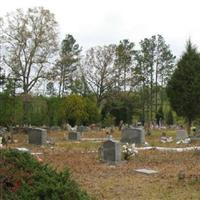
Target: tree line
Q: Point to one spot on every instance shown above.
(119, 80)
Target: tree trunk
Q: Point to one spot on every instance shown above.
(189, 126)
(156, 103)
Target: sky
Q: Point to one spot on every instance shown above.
(103, 22)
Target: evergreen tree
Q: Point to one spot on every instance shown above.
(183, 87)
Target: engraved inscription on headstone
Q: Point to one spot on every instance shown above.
(37, 136)
(133, 135)
(74, 136)
(111, 152)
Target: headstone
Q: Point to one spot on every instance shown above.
(196, 137)
(181, 135)
(133, 135)
(55, 128)
(74, 135)
(37, 136)
(81, 129)
(111, 151)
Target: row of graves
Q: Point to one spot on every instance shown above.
(133, 138)
(110, 150)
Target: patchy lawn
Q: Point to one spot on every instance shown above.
(178, 177)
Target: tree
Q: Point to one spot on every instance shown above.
(164, 66)
(159, 116)
(79, 86)
(183, 87)
(98, 70)
(74, 109)
(30, 42)
(155, 63)
(169, 118)
(121, 106)
(67, 64)
(123, 62)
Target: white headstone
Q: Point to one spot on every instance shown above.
(181, 135)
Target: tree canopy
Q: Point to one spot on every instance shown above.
(30, 42)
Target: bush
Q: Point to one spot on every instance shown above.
(23, 177)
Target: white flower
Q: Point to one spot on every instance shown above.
(133, 145)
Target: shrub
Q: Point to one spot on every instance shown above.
(23, 177)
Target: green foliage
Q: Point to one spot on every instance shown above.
(74, 109)
(11, 110)
(67, 64)
(183, 87)
(120, 106)
(23, 177)
(93, 113)
(169, 118)
(159, 115)
(155, 64)
(38, 111)
(55, 111)
(79, 110)
(123, 62)
(52, 111)
(108, 120)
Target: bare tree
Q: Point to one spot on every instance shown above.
(30, 43)
(98, 70)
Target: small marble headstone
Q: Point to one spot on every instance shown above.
(37, 136)
(74, 135)
(133, 135)
(181, 135)
(146, 171)
(111, 151)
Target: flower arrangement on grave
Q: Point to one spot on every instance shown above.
(128, 151)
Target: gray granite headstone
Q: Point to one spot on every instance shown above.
(181, 134)
(82, 129)
(37, 136)
(133, 135)
(74, 135)
(55, 128)
(111, 151)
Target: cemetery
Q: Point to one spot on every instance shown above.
(97, 161)
(99, 117)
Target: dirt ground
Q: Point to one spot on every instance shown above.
(178, 174)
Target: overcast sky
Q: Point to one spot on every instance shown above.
(101, 22)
